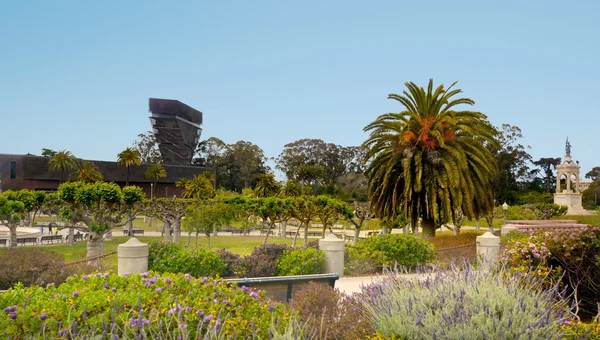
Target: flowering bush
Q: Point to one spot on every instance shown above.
(173, 258)
(569, 256)
(232, 261)
(579, 330)
(405, 250)
(463, 304)
(262, 261)
(302, 261)
(137, 306)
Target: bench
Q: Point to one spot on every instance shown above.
(290, 233)
(3, 241)
(349, 238)
(51, 239)
(263, 232)
(282, 288)
(315, 233)
(373, 233)
(135, 232)
(32, 240)
(237, 231)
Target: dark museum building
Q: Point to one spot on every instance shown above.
(176, 127)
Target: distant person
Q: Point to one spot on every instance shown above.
(42, 229)
(50, 228)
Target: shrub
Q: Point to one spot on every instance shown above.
(569, 256)
(405, 250)
(546, 211)
(34, 266)
(328, 314)
(232, 261)
(137, 306)
(463, 304)
(173, 258)
(357, 262)
(263, 261)
(580, 330)
(301, 261)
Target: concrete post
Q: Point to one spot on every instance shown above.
(488, 248)
(133, 257)
(334, 252)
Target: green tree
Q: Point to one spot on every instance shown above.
(429, 160)
(328, 210)
(242, 163)
(359, 213)
(99, 207)
(155, 172)
(304, 209)
(11, 213)
(211, 155)
(61, 161)
(87, 172)
(311, 173)
(129, 157)
(548, 166)
(147, 147)
(267, 186)
(199, 187)
(170, 211)
(594, 174)
(290, 189)
(207, 217)
(272, 210)
(33, 202)
(48, 152)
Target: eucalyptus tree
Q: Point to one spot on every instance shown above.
(97, 208)
(129, 157)
(428, 160)
(11, 214)
(62, 161)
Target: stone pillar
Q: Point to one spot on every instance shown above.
(568, 182)
(133, 257)
(334, 252)
(488, 248)
(558, 182)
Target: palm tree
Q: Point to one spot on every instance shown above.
(200, 187)
(429, 160)
(88, 172)
(128, 157)
(266, 186)
(61, 161)
(290, 189)
(155, 171)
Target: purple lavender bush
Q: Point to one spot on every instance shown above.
(464, 304)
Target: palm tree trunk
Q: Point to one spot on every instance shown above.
(428, 228)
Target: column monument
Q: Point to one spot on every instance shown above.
(569, 196)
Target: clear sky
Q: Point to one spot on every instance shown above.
(77, 75)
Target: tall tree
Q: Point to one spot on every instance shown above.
(128, 157)
(155, 172)
(147, 146)
(513, 164)
(428, 160)
(48, 152)
(210, 153)
(548, 166)
(304, 209)
(170, 211)
(290, 189)
(311, 173)
(267, 186)
(594, 174)
(87, 172)
(100, 207)
(314, 152)
(243, 162)
(61, 161)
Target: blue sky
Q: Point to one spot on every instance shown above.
(77, 75)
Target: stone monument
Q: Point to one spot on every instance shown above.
(569, 196)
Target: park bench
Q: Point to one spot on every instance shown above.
(373, 233)
(290, 233)
(349, 238)
(51, 239)
(282, 288)
(3, 241)
(237, 231)
(263, 232)
(315, 233)
(135, 232)
(32, 240)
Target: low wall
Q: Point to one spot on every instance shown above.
(283, 288)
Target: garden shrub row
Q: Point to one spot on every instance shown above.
(270, 260)
(389, 250)
(105, 305)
